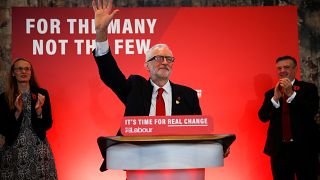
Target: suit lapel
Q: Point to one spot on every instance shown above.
(148, 97)
(296, 85)
(296, 82)
(175, 94)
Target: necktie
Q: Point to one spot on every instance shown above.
(160, 106)
(286, 124)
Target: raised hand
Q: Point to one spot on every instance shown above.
(277, 92)
(103, 14)
(40, 101)
(18, 103)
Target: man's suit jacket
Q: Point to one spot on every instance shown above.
(303, 109)
(136, 92)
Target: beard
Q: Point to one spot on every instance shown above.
(163, 73)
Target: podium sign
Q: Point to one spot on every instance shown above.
(166, 125)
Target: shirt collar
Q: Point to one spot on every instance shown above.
(166, 87)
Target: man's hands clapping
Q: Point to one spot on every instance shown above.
(283, 86)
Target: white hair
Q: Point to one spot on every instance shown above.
(157, 46)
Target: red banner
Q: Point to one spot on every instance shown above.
(227, 54)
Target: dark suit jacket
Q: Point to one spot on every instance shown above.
(136, 91)
(302, 110)
(10, 127)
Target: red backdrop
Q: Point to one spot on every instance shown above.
(228, 54)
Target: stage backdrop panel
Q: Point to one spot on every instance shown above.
(226, 54)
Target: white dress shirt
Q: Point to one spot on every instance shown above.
(167, 97)
(102, 48)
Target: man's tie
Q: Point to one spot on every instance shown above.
(286, 124)
(160, 106)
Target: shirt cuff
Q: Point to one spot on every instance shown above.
(275, 104)
(290, 99)
(102, 48)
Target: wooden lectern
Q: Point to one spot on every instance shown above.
(164, 157)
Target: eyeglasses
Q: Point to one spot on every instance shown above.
(160, 59)
(27, 69)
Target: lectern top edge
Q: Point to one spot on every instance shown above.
(170, 138)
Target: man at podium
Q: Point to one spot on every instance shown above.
(155, 96)
(141, 97)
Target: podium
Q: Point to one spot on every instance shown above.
(164, 157)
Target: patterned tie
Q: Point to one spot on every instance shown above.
(160, 106)
(286, 125)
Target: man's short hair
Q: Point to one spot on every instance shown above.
(149, 51)
(282, 58)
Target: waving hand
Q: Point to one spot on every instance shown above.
(103, 15)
